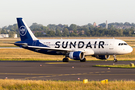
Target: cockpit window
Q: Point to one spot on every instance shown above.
(121, 44)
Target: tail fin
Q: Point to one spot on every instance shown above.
(24, 30)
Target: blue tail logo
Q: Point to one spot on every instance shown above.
(23, 30)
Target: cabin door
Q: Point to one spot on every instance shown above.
(111, 45)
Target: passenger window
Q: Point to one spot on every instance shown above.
(120, 44)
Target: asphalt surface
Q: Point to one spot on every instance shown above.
(73, 70)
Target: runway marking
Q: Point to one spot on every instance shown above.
(78, 73)
(86, 74)
(23, 74)
(41, 76)
(33, 77)
(51, 74)
(102, 71)
(56, 63)
(90, 72)
(59, 75)
(112, 74)
(47, 76)
(66, 74)
(54, 75)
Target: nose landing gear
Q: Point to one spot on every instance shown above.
(115, 60)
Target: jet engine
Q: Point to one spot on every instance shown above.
(102, 56)
(77, 55)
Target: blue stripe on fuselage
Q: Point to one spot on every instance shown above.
(44, 51)
(37, 43)
(32, 43)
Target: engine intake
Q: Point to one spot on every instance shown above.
(77, 55)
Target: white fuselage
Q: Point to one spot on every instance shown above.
(75, 49)
(90, 46)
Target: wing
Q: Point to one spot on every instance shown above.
(85, 51)
(48, 48)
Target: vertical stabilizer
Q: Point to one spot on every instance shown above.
(24, 30)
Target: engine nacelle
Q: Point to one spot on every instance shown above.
(77, 55)
(102, 56)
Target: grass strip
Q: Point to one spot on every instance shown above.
(8, 46)
(115, 66)
(7, 84)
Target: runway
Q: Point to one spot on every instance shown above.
(73, 70)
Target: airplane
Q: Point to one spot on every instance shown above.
(76, 49)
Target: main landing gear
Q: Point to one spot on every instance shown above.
(84, 60)
(65, 59)
(115, 60)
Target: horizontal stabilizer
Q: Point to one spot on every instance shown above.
(23, 44)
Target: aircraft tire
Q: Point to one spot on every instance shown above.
(84, 60)
(115, 60)
(65, 60)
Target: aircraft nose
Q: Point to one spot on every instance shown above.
(127, 50)
(130, 49)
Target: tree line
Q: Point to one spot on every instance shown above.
(73, 30)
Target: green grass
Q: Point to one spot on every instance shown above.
(115, 66)
(64, 85)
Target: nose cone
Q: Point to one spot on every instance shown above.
(130, 49)
(126, 50)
